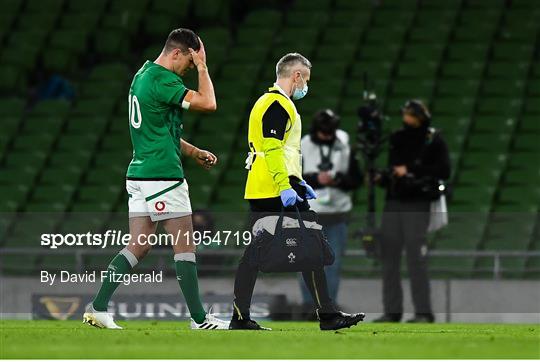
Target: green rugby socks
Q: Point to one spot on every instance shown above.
(122, 263)
(186, 274)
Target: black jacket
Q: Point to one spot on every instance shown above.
(425, 153)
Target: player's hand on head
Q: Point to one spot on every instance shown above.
(206, 159)
(199, 57)
(202, 51)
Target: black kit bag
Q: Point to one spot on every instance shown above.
(291, 249)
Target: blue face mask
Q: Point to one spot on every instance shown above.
(300, 93)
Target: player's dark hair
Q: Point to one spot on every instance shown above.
(182, 39)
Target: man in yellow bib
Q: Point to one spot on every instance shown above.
(275, 181)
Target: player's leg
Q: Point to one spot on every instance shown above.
(181, 228)
(123, 263)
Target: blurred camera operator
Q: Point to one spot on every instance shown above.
(418, 161)
(330, 167)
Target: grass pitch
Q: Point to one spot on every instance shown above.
(72, 339)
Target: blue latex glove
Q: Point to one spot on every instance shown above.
(289, 197)
(310, 193)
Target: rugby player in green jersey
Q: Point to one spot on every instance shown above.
(155, 182)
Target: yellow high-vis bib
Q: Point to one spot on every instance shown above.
(274, 154)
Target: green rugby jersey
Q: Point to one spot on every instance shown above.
(155, 123)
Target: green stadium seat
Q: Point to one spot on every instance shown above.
(11, 6)
(492, 106)
(33, 37)
(532, 105)
(14, 197)
(430, 51)
(11, 107)
(456, 69)
(127, 21)
(529, 123)
(458, 106)
(478, 160)
(524, 160)
(73, 41)
(59, 60)
(56, 108)
(493, 124)
(26, 142)
(477, 177)
(379, 35)
(72, 142)
(374, 52)
(310, 5)
(506, 88)
(95, 107)
(310, 19)
(38, 21)
(82, 124)
(488, 142)
(51, 197)
(512, 51)
(69, 175)
(36, 124)
(179, 9)
(85, 7)
(430, 33)
(528, 177)
(263, 18)
(77, 157)
(44, 6)
(108, 72)
(111, 43)
(13, 79)
(212, 11)
(527, 143)
(76, 21)
(458, 52)
(508, 70)
(384, 17)
(129, 6)
(516, 194)
(11, 56)
(417, 70)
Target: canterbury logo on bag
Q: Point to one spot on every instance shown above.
(291, 242)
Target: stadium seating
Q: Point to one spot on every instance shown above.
(480, 78)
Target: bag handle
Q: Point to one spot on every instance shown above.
(279, 223)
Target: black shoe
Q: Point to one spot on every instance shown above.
(247, 324)
(339, 320)
(388, 318)
(422, 318)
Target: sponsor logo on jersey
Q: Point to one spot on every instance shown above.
(159, 205)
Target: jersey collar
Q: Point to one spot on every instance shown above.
(280, 90)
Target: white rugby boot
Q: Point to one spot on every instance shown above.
(99, 319)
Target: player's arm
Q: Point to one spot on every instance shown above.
(204, 99)
(205, 159)
(274, 125)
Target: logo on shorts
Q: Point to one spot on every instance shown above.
(160, 206)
